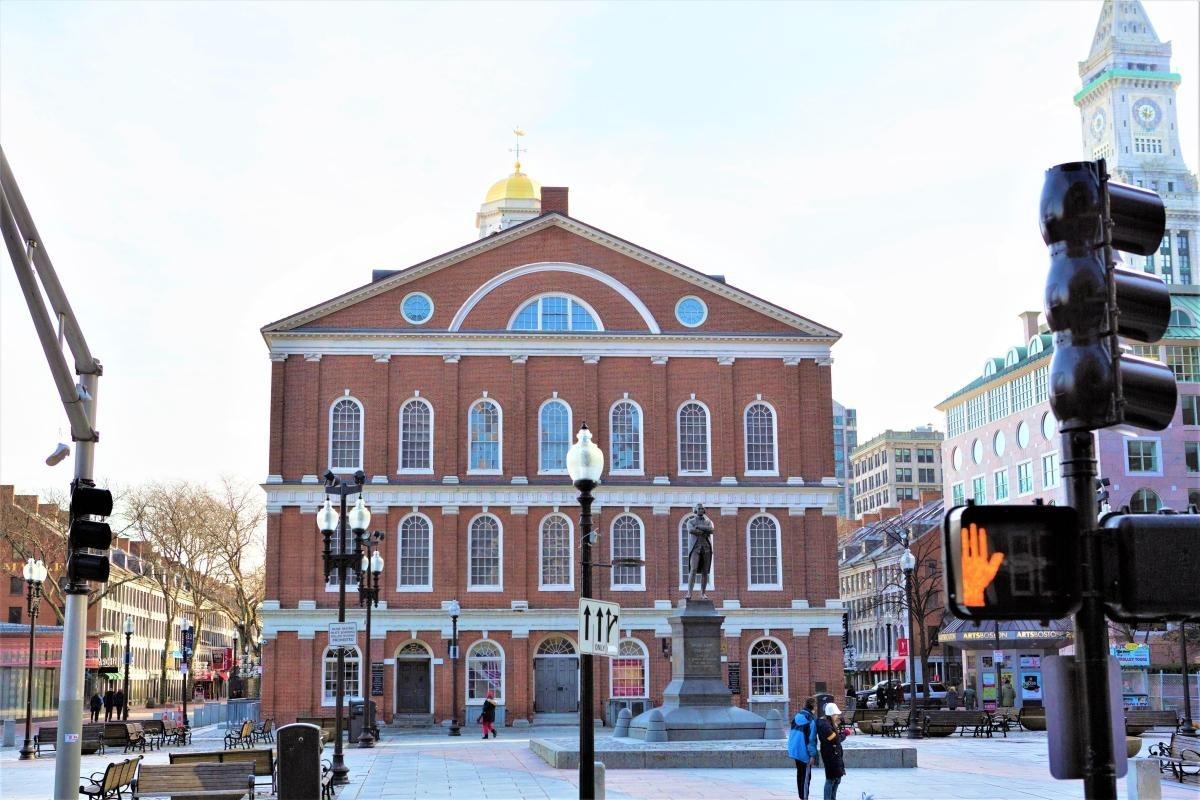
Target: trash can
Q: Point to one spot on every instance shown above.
(361, 714)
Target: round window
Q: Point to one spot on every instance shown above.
(998, 443)
(417, 308)
(977, 451)
(691, 311)
(1023, 435)
(1048, 425)
(956, 458)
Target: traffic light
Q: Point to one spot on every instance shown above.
(88, 539)
(1089, 303)
(1150, 566)
(1011, 562)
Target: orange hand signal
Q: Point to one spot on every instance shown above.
(978, 570)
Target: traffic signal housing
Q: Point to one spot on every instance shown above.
(1090, 303)
(89, 538)
(1011, 562)
(1150, 566)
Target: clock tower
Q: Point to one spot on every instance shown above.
(1128, 110)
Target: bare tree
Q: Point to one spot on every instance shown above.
(924, 598)
(239, 556)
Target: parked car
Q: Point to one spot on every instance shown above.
(866, 697)
(937, 691)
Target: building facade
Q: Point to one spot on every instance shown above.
(457, 385)
(895, 466)
(845, 439)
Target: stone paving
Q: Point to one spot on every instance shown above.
(416, 766)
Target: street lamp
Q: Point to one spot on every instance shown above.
(368, 594)
(1188, 726)
(128, 626)
(345, 559)
(187, 666)
(35, 573)
(908, 563)
(585, 463)
(454, 609)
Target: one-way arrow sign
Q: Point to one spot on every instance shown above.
(599, 627)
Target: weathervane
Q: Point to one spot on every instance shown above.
(518, 133)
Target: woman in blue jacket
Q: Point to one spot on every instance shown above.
(802, 746)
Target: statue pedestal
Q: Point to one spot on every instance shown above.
(697, 705)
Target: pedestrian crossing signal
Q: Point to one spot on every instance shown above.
(1011, 562)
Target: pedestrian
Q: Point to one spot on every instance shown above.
(882, 696)
(803, 746)
(487, 716)
(969, 697)
(1008, 697)
(898, 696)
(952, 697)
(119, 705)
(95, 704)
(831, 734)
(109, 698)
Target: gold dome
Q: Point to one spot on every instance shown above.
(517, 186)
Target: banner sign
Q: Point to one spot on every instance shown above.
(1131, 655)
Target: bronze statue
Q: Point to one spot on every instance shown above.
(700, 532)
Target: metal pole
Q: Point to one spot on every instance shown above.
(914, 730)
(1091, 634)
(891, 696)
(125, 711)
(28, 751)
(187, 670)
(340, 771)
(996, 659)
(587, 744)
(1189, 726)
(454, 728)
(365, 739)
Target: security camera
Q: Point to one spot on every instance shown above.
(60, 452)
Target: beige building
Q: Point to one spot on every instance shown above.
(895, 466)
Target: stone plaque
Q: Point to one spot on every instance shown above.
(377, 679)
(735, 677)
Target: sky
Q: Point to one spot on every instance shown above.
(198, 170)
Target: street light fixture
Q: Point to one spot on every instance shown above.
(342, 562)
(35, 574)
(128, 627)
(368, 594)
(908, 562)
(454, 609)
(585, 464)
(188, 645)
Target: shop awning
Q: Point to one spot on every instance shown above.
(112, 676)
(882, 666)
(223, 674)
(897, 664)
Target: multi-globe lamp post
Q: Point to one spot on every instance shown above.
(34, 572)
(908, 563)
(585, 464)
(333, 522)
(188, 645)
(370, 571)
(127, 627)
(454, 609)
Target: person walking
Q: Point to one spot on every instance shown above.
(969, 697)
(109, 698)
(1008, 696)
(119, 705)
(94, 705)
(898, 696)
(487, 716)
(831, 735)
(952, 698)
(881, 696)
(803, 746)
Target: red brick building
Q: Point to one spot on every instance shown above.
(457, 385)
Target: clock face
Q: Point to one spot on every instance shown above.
(1147, 113)
(1099, 123)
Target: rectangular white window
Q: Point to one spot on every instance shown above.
(625, 437)
(979, 489)
(760, 440)
(693, 440)
(415, 568)
(484, 550)
(1000, 482)
(764, 553)
(556, 552)
(1184, 361)
(1050, 470)
(1025, 477)
(627, 543)
(1190, 406)
(957, 495)
(554, 436)
(1041, 385)
(1191, 457)
(483, 426)
(416, 437)
(1141, 455)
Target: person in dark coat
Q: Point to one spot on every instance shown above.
(831, 735)
(95, 704)
(969, 697)
(487, 717)
(882, 697)
(119, 705)
(952, 697)
(109, 698)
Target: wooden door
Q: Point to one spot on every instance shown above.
(412, 687)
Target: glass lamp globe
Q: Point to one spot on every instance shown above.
(376, 563)
(908, 561)
(360, 516)
(129, 625)
(585, 461)
(365, 564)
(327, 518)
(34, 570)
(453, 608)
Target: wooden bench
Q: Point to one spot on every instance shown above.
(864, 717)
(263, 759)
(233, 781)
(945, 723)
(91, 738)
(1181, 755)
(110, 783)
(176, 732)
(266, 731)
(129, 735)
(1140, 720)
(242, 737)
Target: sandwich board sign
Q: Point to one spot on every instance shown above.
(599, 627)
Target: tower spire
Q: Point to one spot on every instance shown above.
(518, 132)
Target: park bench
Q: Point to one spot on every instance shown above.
(1140, 720)
(176, 732)
(155, 731)
(1181, 755)
(945, 723)
(114, 780)
(230, 781)
(128, 735)
(243, 736)
(91, 738)
(864, 717)
(266, 731)
(1002, 720)
(263, 759)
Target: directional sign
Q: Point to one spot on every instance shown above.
(343, 634)
(599, 627)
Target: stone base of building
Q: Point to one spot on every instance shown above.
(620, 752)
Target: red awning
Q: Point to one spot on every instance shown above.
(879, 666)
(224, 674)
(897, 664)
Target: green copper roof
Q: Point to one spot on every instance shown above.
(1109, 74)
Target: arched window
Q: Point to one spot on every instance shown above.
(762, 550)
(760, 440)
(628, 541)
(693, 439)
(485, 426)
(345, 435)
(329, 675)
(556, 646)
(767, 675)
(555, 312)
(485, 671)
(554, 436)
(629, 674)
(414, 557)
(684, 553)
(416, 436)
(1179, 319)
(486, 565)
(625, 438)
(557, 564)
(1145, 501)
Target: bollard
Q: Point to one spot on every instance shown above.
(623, 718)
(10, 733)
(1144, 781)
(656, 727)
(774, 729)
(599, 783)
(299, 761)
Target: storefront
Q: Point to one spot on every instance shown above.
(996, 653)
(47, 655)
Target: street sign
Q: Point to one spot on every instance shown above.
(183, 668)
(599, 627)
(902, 647)
(343, 634)
(188, 639)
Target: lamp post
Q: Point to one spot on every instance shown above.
(128, 627)
(891, 696)
(454, 609)
(35, 573)
(908, 562)
(345, 559)
(188, 644)
(1188, 726)
(585, 463)
(368, 594)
